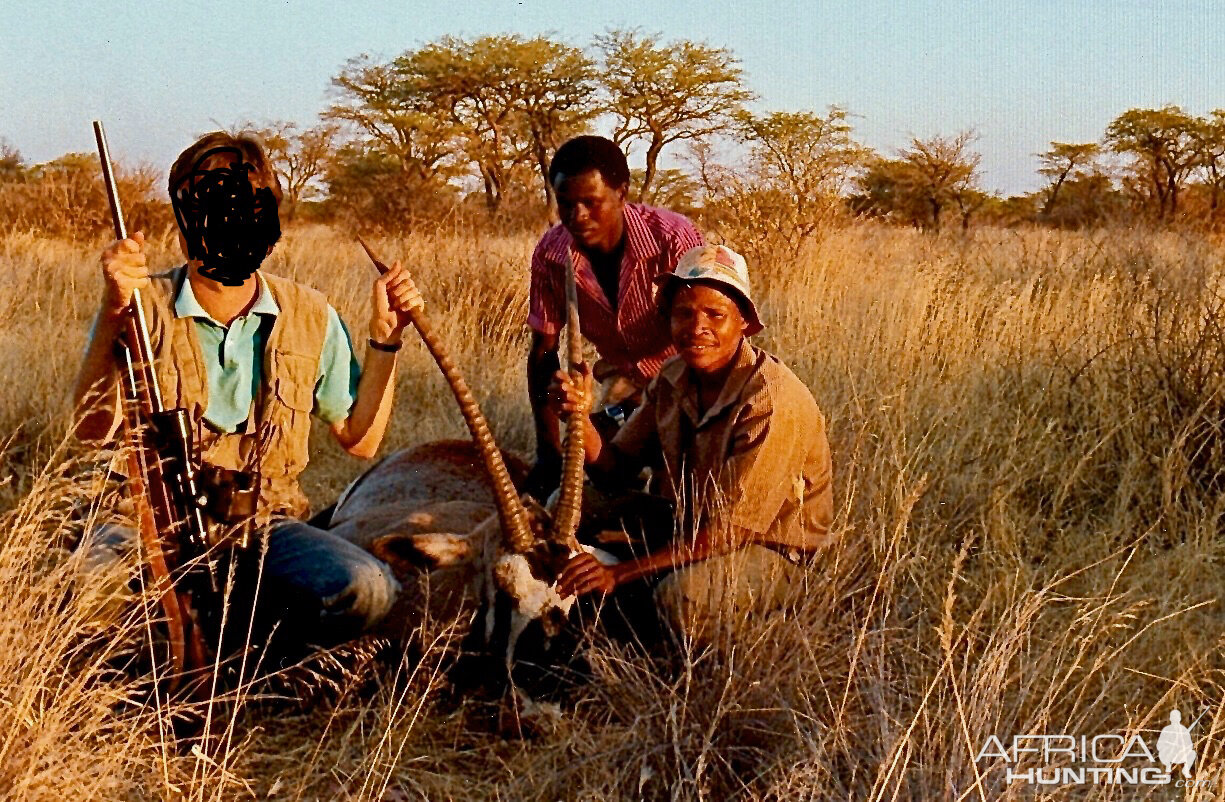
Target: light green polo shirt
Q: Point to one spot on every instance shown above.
(234, 360)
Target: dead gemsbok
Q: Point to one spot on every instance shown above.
(425, 512)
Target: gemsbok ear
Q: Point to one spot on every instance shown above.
(407, 553)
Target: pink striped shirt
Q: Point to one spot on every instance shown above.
(634, 338)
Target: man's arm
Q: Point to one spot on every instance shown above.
(766, 456)
(361, 433)
(546, 310)
(585, 574)
(637, 437)
(95, 393)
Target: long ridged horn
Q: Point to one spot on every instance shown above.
(569, 503)
(515, 527)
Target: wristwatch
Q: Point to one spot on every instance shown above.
(617, 412)
(390, 348)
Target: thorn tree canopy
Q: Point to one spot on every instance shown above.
(513, 100)
(1164, 148)
(381, 104)
(1064, 160)
(300, 158)
(661, 93)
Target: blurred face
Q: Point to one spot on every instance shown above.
(227, 222)
(590, 210)
(706, 328)
(216, 160)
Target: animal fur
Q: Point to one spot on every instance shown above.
(428, 512)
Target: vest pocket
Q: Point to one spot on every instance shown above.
(294, 380)
(286, 421)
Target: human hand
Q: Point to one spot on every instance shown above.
(567, 396)
(585, 574)
(394, 298)
(124, 270)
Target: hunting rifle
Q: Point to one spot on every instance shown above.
(162, 479)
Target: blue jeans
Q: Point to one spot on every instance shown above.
(305, 588)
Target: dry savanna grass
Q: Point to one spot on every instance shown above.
(1027, 437)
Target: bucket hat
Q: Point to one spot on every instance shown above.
(718, 265)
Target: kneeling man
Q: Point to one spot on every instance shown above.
(252, 356)
(738, 449)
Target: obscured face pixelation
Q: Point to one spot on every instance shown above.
(229, 224)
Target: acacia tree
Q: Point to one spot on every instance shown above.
(388, 116)
(943, 171)
(791, 181)
(662, 93)
(300, 158)
(672, 188)
(1062, 162)
(886, 190)
(1212, 155)
(1164, 147)
(399, 154)
(557, 99)
(513, 99)
(929, 177)
(802, 163)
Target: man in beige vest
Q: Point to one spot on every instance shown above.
(740, 465)
(251, 356)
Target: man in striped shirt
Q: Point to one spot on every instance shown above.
(617, 248)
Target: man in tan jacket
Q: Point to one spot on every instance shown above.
(737, 448)
(251, 357)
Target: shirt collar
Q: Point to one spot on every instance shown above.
(678, 374)
(638, 240)
(186, 304)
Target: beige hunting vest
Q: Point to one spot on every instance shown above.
(276, 438)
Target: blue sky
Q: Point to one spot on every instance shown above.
(1021, 72)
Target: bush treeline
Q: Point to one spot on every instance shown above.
(65, 197)
(467, 126)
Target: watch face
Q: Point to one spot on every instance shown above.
(616, 412)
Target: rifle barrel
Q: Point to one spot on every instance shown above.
(108, 178)
(140, 336)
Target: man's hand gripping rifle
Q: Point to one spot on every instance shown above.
(163, 481)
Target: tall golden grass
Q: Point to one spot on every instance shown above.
(1027, 437)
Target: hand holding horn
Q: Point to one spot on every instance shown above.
(395, 299)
